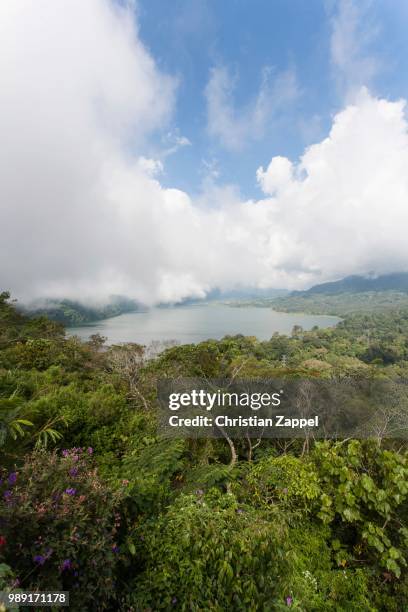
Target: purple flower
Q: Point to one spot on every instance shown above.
(73, 471)
(90, 450)
(12, 478)
(115, 548)
(289, 601)
(240, 511)
(39, 559)
(7, 494)
(200, 492)
(66, 564)
(70, 491)
(65, 452)
(174, 600)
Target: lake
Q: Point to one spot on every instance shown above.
(194, 323)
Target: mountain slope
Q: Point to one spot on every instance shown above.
(397, 281)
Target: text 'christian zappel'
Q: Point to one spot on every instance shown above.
(220, 399)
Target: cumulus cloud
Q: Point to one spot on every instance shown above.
(78, 92)
(344, 207)
(84, 215)
(233, 125)
(277, 175)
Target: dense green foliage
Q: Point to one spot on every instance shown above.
(95, 501)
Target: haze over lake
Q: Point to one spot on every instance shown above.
(195, 323)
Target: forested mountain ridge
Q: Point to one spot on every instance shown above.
(348, 295)
(72, 313)
(397, 281)
(339, 304)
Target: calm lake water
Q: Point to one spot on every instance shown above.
(194, 323)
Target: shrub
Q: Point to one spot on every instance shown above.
(208, 553)
(290, 481)
(59, 525)
(365, 494)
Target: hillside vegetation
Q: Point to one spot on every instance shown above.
(73, 313)
(348, 295)
(93, 500)
(340, 304)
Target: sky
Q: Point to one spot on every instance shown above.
(160, 150)
(303, 57)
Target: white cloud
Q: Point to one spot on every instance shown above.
(277, 175)
(344, 207)
(83, 213)
(234, 126)
(78, 91)
(152, 167)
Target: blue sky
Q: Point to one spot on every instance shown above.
(248, 39)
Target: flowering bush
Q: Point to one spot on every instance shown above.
(59, 525)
